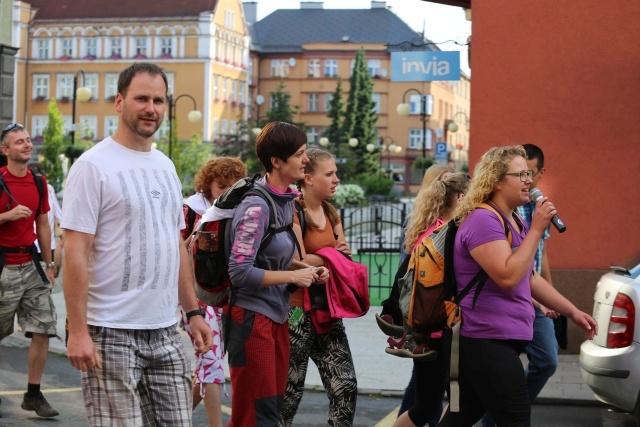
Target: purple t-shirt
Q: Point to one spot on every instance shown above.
(499, 313)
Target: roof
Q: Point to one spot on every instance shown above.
(87, 9)
(286, 30)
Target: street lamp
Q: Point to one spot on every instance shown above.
(452, 126)
(193, 116)
(324, 142)
(82, 94)
(426, 110)
(391, 147)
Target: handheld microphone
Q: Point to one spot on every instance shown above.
(535, 194)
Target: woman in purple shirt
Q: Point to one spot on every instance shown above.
(498, 326)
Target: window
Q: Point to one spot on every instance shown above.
(88, 127)
(312, 135)
(330, 67)
(279, 68)
(312, 102)
(376, 100)
(242, 87)
(116, 48)
(415, 139)
(43, 49)
(373, 65)
(223, 128)
(166, 47)
(415, 102)
(66, 123)
(216, 88)
(314, 68)
(67, 48)
(232, 127)
(229, 19)
(216, 126)
(91, 47)
(111, 85)
(38, 126)
(224, 89)
(90, 82)
(171, 77)
(234, 88)
(110, 125)
(141, 46)
(328, 97)
(64, 87)
(41, 86)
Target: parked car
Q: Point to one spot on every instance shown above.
(610, 363)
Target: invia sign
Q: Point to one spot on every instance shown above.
(424, 66)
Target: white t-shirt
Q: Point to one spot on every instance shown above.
(131, 202)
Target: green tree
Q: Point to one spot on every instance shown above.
(336, 114)
(360, 117)
(281, 110)
(54, 144)
(187, 156)
(241, 145)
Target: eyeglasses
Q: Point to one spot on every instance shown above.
(9, 128)
(523, 175)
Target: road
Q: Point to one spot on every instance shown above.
(61, 384)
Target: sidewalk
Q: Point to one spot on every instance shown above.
(377, 372)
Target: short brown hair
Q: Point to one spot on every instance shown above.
(280, 140)
(221, 169)
(126, 75)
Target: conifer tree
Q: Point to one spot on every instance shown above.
(360, 117)
(281, 110)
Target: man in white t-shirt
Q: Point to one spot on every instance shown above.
(126, 268)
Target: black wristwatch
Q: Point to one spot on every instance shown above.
(198, 312)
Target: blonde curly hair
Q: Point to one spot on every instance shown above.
(490, 170)
(438, 198)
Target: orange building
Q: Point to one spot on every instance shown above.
(308, 48)
(564, 75)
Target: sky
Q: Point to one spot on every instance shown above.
(440, 22)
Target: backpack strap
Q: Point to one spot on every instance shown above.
(191, 220)
(39, 180)
(301, 218)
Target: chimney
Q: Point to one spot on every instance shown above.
(376, 4)
(250, 11)
(311, 5)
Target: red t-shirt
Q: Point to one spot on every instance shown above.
(21, 232)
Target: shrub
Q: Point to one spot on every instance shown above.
(348, 194)
(376, 184)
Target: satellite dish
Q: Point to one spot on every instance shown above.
(383, 72)
(292, 62)
(259, 99)
(439, 132)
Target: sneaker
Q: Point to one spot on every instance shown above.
(385, 323)
(38, 404)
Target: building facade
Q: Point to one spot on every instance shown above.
(202, 45)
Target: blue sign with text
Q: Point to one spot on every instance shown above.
(424, 66)
(441, 151)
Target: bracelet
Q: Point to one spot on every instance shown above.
(51, 265)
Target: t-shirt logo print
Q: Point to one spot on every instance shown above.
(155, 194)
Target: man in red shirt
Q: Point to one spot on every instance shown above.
(25, 286)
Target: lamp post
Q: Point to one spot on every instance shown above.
(324, 141)
(388, 144)
(82, 94)
(193, 116)
(452, 126)
(426, 110)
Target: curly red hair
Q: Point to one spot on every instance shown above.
(221, 169)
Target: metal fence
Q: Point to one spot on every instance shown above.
(374, 233)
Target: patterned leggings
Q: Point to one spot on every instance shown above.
(331, 354)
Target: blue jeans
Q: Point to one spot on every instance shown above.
(542, 353)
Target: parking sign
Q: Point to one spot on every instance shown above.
(441, 151)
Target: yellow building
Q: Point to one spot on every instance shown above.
(203, 46)
(308, 48)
